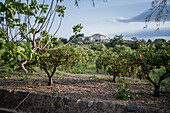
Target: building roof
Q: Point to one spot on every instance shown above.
(98, 34)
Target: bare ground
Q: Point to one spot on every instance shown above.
(89, 87)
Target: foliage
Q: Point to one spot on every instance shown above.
(124, 93)
(97, 46)
(54, 92)
(4, 75)
(149, 61)
(116, 64)
(117, 40)
(23, 47)
(161, 10)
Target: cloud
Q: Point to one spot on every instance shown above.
(146, 34)
(141, 17)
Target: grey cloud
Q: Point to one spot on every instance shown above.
(150, 33)
(141, 17)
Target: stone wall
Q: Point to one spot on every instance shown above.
(42, 103)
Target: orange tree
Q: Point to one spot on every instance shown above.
(113, 63)
(49, 61)
(147, 59)
(81, 61)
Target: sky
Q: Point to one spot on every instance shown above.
(114, 17)
(111, 18)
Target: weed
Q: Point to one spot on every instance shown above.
(54, 93)
(76, 81)
(25, 78)
(124, 93)
(3, 75)
(30, 83)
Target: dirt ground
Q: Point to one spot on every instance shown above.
(89, 87)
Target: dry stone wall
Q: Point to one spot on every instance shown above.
(43, 103)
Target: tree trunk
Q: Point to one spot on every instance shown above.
(114, 79)
(50, 81)
(156, 91)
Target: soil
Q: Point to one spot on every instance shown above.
(89, 87)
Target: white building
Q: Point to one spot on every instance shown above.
(98, 37)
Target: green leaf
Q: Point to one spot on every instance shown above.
(13, 62)
(23, 56)
(20, 49)
(30, 56)
(19, 57)
(62, 60)
(7, 2)
(46, 54)
(2, 52)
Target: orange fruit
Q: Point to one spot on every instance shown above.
(71, 57)
(140, 56)
(149, 70)
(124, 82)
(144, 76)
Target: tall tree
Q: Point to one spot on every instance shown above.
(25, 22)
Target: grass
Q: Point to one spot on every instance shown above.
(91, 68)
(62, 73)
(80, 69)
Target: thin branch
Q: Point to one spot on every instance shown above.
(55, 32)
(60, 46)
(46, 24)
(11, 34)
(148, 77)
(23, 67)
(46, 17)
(58, 26)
